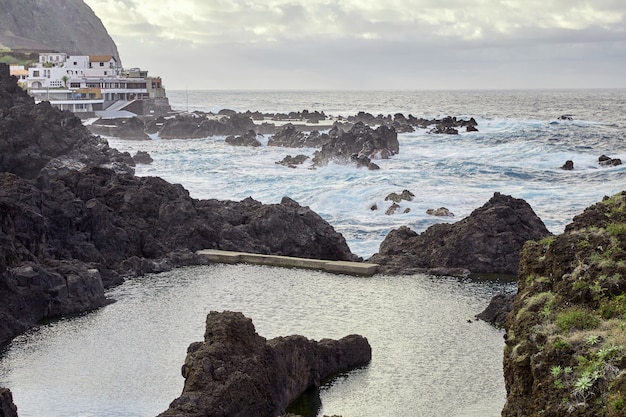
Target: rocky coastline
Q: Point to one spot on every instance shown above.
(236, 372)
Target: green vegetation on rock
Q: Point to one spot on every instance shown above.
(569, 320)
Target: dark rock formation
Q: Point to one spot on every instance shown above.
(440, 212)
(74, 218)
(565, 117)
(142, 157)
(568, 165)
(248, 139)
(607, 161)
(396, 198)
(132, 128)
(292, 162)
(565, 351)
(198, 126)
(235, 372)
(359, 144)
(68, 26)
(291, 137)
(488, 241)
(497, 310)
(7, 408)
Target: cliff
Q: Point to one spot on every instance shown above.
(566, 335)
(60, 25)
(237, 373)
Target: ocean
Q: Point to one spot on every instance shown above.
(519, 149)
(430, 357)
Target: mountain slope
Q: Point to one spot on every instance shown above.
(60, 25)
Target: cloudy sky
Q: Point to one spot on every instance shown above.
(372, 44)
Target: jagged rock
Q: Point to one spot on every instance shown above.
(497, 310)
(565, 117)
(440, 212)
(564, 351)
(291, 137)
(488, 241)
(291, 161)
(236, 372)
(75, 218)
(568, 165)
(392, 209)
(7, 407)
(359, 143)
(142, 157)
(441, 129)
(249, 139)
(131, 128)
(404, 195)
(198, 126)
(607, 161)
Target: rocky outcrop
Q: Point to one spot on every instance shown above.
(607, 161)
(498, 309)
(198, 126)
(7, 408)
(74, 218)
(568, 165)
(248, 139)
(142, 157)
(292, 161)
(359, 144)
(131, 128)
(565, 351)
(68, 26)
(236, 372)
(291, 137)
(489, 240)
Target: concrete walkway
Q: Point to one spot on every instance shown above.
(337, 267)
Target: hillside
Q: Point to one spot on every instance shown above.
(58, 25)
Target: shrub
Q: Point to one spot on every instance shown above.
(576, 319)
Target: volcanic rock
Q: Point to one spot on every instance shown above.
(7, 408)
(290, 137)
(74, 218)
(568, 165)
(488, 241)
(565, 349)
(249, 139)
(291, 161)
(132, 128)
(440, 212)
(607, 161)
(404, 195)
(358, 143)
(142, 157)
(497, 310)
(236, 372)
(198, 126)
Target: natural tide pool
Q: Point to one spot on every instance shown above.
(428, 359)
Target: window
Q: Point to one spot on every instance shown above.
(102, 64)
(74, 85)
(75, 63)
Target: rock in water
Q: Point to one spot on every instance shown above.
(237, 373)
(7, 408)
(488, 241)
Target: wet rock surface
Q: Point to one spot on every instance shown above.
(7, 408)
(236, 372)
(489, 240)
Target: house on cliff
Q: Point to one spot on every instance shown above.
(95, 85)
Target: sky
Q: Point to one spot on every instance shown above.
(372, 44)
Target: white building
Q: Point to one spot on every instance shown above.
(89, 83)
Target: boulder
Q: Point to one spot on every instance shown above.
(607, 161)
(7, 408)
(489, 240)
(249, 139)
(568, 165)
(404, 195)
(125, 128)
(292, 162)
(194, 126)
(291, 137)
(440, 212)
(235, 372)
(359, 144)
(142, 157)
(498, 309)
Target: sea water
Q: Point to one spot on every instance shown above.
(428, 359)
(429, 355)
